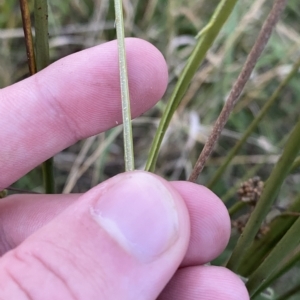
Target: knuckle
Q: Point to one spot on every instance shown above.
(31, 276)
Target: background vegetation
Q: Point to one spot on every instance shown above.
(171, 26)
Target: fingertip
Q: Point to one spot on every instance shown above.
(87, 84)
(230, 284)
(206, 283)
(210, 223)
(133, 202)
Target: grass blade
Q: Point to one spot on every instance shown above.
(287, 244)
(208, 36)
(128, 142)
(280, 271)
(260, 248)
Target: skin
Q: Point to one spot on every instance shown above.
(51, 246)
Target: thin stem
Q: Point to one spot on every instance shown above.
(289, 293)
(127, 133)
(41, 34)
(239, 85)
(237, 206)
(10, 188)
(295, 165)
(3, 193)
(277, 176)
(287, 244)
(28, 36)
(42, 61)
(280, 271)
(150, 9)
(260, 248)
(48, 176)
(91, 160)
(252, 126)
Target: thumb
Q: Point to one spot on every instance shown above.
(124, 239)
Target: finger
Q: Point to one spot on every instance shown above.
(75, 97)
(21, 215)
(205, 283)
(210, 223)
(123, 239)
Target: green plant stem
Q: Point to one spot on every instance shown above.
(295, 165)
(21, 191)
(3, 193)
(280, 271)
(127, 129)
(41, 34)
(278, 175)
(150, 9)
(287, 244)
(289, 293)
(236, 207)
(224, 9)
(260, 248)
(48, 176)
(252, 126)
(28, 36)
(42, 61)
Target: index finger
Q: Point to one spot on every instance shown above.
(76, 97)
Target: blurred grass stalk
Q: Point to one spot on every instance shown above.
(238, 86)
(208, 35)
(282, 269)
(83, 163)
(253, 125)
(289, 293)
(42, 61)
(285, 246)
(127, 129)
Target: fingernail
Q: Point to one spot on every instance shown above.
(139, 213)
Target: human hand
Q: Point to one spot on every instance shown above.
(135, 236)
